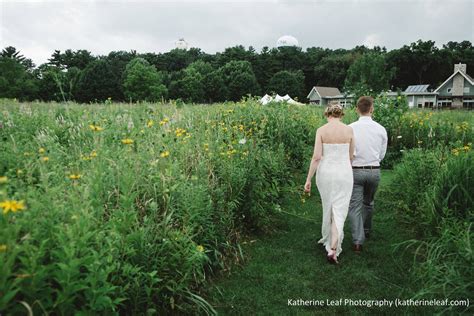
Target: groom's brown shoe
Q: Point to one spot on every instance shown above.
(357, 248)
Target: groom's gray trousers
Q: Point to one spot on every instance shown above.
(361, 206)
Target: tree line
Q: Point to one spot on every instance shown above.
(195, 76)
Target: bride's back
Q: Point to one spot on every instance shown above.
(336, 133)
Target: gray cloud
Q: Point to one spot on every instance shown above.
(37, 28)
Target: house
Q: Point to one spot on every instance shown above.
(322, 95)
(455, 92)
(420, 96)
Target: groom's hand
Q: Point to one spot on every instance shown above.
(307, 186)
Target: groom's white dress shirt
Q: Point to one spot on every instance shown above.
(370, 142)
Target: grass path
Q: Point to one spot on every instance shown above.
(289, 264)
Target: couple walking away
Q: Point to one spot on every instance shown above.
(346, 160)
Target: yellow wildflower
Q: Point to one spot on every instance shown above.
(12, 206)
(165, 154)
(76, 176)
(164, 121)
(95, 128)
(41, 150)
(3, 179)
(23, 275)
(150, 123)
(93, 154)
(19, 171)
(3, 248)
(200, 248)
(180, 132)
(127, 141)
(455, 152)
(45, 158)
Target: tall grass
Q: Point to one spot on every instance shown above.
(432, 192)
(128, 208)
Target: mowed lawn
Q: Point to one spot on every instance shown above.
(289, 264)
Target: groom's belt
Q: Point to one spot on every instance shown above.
(365, 167)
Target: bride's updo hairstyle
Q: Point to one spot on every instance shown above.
(334, 109)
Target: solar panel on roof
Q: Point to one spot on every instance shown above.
(417, 88)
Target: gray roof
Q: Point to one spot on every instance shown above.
(418, 88)
(327, 91)
(469, 76)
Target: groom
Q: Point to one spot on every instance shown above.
(370, 148)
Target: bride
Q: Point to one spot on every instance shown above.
(333, 152)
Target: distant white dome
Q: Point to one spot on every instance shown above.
(287, 40)
(181, 44)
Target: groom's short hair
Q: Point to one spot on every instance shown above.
(364, 103)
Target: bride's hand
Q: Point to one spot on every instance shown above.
(307, 186)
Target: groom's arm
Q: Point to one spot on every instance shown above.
(383, 149)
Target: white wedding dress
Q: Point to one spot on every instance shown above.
(334, 180)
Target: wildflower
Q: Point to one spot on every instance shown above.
(150, 123)
(242, 141)
(76, 176)
(93, 154)
(164, 121)
(165, 154)
(245, 153)
(466, 148)
(19, 171)
(420, 142)
(127, 141)
(45, 158)
(41, 150)
(12, 206)
(3, 248)
(23, 275)
(180, 132)
(399, 136)
(3, 179)
(206, 147)
(200, 248)
(455, 152)
(95, 128)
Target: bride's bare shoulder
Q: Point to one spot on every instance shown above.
(322, 128)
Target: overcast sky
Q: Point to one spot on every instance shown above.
(38, 27)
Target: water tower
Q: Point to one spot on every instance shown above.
(181, 44)
(287, 40)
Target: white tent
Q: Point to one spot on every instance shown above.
(266, 98)
(278, 98)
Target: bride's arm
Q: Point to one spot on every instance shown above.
(317, 154)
